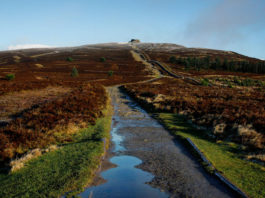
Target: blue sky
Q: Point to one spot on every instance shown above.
(236, 25)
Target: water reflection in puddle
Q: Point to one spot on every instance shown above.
(117, 139)
(124, 181)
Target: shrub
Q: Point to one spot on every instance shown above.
(10, 76)
(237, 81)
(70, 59)
(261, 83)
(172, 59)
(229, 84)
(134, 41)
(74, 72)
(110, 73)
(102, 59)
(187, 65)
(247, 82)
(205, 82)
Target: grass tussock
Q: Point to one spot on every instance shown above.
(19, 163)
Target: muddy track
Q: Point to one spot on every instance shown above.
(175, 170)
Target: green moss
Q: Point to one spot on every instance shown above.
(225, 156)
(69, 168)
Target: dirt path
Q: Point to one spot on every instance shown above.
(175, 170)
(152, 65)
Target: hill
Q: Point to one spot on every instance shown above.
(56, 99)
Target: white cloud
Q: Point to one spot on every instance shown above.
(28, 46)
(227, 22)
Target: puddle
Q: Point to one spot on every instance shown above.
(125, 180)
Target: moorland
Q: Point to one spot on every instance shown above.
(53, 101)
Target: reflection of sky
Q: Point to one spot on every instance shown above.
(117, 139)
(124, 181)
(236, 25)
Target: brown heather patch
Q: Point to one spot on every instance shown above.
(57, 70)
(13, 103)
(52, 121)
(238, 109)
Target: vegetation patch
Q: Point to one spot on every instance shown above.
(70, 59)
(102, 59)
(10, 76)
(67, 169)
(225, 156)
(13, 104)
(110, 73)
(12, 86)
(74, 72)
(234, 114)
(57, 68)
(219, 63)
(205, 82)
(52, 122)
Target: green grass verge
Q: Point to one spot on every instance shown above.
(225, 156)
(69, 168)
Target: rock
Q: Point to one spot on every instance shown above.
(17, 164)
(219, 129)
(250, 136)
(159, 98)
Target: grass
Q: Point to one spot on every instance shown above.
(70, 168)
(225, 156)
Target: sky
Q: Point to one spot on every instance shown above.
(234, 25)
